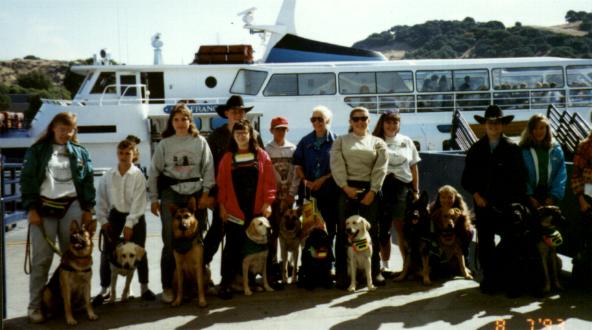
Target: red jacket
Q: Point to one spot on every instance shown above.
(266, 186)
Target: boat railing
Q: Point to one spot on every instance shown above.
(569, 129)
(471, 100)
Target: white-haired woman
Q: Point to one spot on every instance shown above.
(312, 162)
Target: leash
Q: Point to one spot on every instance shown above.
(28, 262)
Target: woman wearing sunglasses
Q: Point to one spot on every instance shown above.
(359, 163)
(311, 160)
(402, 177)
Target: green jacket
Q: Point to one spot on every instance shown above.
(34, 171)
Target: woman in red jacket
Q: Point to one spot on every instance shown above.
(246, 188)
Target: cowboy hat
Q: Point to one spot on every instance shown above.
(494, 112)
(234, 102)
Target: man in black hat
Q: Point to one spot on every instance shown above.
(496, 177)
(234, 110)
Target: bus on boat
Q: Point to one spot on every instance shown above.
(296, 74)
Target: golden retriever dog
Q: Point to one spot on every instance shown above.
(70, 284)
(449, 229)
(290, 232)
(359, 252)
(127, 255)
(255, 260)
(188, 252)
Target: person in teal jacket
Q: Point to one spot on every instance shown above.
(545, 163)
(57, 188)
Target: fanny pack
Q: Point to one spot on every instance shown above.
(163, 182)
(55, 208)
(362, 186)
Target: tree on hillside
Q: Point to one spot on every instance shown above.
(35, 79)
(573, 16)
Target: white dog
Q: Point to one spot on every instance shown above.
(127, 257)
(255, 259)
(359, 252)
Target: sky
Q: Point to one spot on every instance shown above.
(75, 29)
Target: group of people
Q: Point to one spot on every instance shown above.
(233, 173)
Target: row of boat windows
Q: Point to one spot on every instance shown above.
(249, 82)
(469, 101)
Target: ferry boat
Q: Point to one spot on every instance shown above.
(296, 74)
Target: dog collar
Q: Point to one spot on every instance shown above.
(360, 245)
(553, 239)
(318, 254)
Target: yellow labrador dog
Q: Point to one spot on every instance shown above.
(256, 251)
(359, 252)
(127, 255)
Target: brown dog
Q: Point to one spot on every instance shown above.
(290, 232)
(70, 284)
(188, 252)
(547, 219)
(450, 227)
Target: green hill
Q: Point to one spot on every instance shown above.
(470, 39)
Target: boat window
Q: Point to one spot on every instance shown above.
(405, 103)
(84, 82)
(527, 78)
(471, 80)
(282, 85)
(211, 82)
(248, 82)
(473, 101)
(357, 83)
(128, 85)
(394, 82)
(434, 81)
(512, 100)
(580, 98)
(316, 84)
(579, 76)
(434, 103)
(105, 79)
(542, 99)
(368, 102)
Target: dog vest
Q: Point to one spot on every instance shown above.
(251, 247)
(552, 237)
(317, 255)
(360, 245)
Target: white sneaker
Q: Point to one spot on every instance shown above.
(35, 316)
(167, 296)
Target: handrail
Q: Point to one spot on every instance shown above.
(568, 129)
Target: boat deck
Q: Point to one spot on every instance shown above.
(455, 302)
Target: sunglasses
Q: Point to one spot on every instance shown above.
(358, 118)
(315, 119)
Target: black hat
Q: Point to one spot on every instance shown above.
(235, 101)
(494, 112)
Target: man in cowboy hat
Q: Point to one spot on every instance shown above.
(234, 110)
(496, 177)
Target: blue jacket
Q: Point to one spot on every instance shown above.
(33, 174)
(311, 158)
(557, 177)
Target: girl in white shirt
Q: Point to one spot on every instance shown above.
(121, 203)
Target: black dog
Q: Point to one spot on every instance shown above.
(317, 257)
(417, 239)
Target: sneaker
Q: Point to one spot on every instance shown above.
(379, 280)
(167, 296)
(105, 294)
(148, 295)
(35, 316)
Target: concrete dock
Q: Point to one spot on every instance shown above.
(407, 305)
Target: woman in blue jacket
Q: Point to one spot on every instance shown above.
(544, 162)
(57, 188)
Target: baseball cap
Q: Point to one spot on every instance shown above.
(279, 122)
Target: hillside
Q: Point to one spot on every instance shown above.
(9, 70)
(471, 39)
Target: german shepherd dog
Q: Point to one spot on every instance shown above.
(290, 233)
(188, 252)
(70, 284)
(417, 242)
(450, 228)
(545, 223)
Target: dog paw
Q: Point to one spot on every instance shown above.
(92, 316)
(71, 321)
(371, 288)
(427, 282)
(248, 293)
(202, 303)
(351, 288)
(558, 286)
(399, 278)
(112, 299)
(176, 303)
(268, 288)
